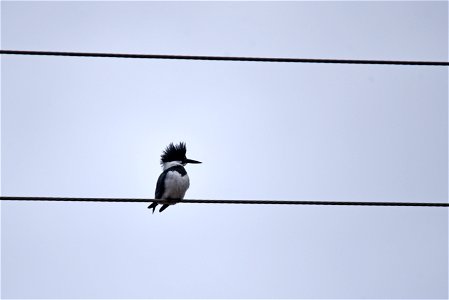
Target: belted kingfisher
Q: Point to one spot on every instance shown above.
(173, 181)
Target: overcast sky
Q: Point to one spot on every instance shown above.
(95, 127)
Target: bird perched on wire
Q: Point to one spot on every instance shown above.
(173, 182)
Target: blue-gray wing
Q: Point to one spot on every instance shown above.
(160, 189)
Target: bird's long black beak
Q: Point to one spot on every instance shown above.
(191, 161)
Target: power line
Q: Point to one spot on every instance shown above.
(229, 58)
(264, 202)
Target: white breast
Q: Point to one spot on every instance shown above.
(175, 185)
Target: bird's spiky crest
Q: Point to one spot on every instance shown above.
(174, 153)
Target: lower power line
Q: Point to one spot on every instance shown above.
(256, 202)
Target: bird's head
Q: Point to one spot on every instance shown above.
(176, 154)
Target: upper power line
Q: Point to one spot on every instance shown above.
(229, 58)
(272, 202)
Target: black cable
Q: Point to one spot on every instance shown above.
(271, 202)
(229, 58)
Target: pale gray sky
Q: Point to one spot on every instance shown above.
(91, 127)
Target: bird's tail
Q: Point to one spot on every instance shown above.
(164, 207)
(153, 206)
